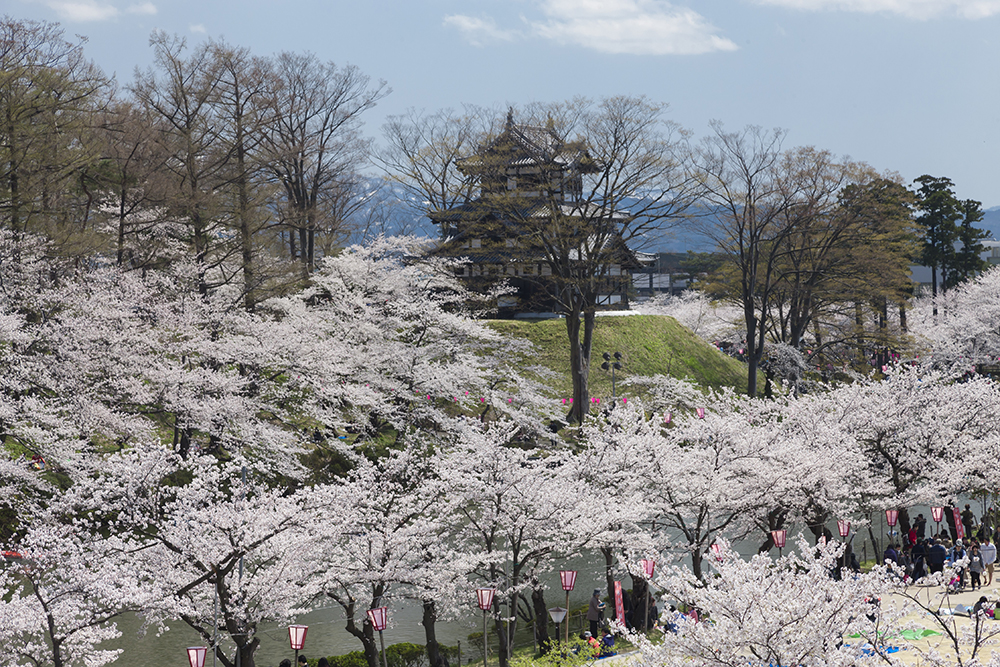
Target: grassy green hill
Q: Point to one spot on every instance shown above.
(650, 345)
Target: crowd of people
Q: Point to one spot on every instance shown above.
(975, 554)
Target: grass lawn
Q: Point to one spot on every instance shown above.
(650, 345)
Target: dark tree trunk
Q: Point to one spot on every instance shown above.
(541, 619)
(580, 330)
(430, 633)
(609, 572)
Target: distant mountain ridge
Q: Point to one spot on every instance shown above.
(991, 222)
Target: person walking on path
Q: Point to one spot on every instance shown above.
(594, 612)
(936, 556)
(988, 551)
(976, 567)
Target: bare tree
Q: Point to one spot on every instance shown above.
(182, 93)
(748, 217)
(314, 146)
(241, 105)
(49, 94)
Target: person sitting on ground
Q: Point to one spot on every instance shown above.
(607, 643)
(981, 606)
(594, 644)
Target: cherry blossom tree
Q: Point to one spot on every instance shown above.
(785, 612)
(959, 325)
(63, 593)
(218, 538)
(385, 530)
(514, 509)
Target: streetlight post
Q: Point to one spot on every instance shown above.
(779, 537)
(378, 618)
(558, 614)
(568, 580)
(484, 596)
(196, 656)
(937, 513)
(297, 639)
(612, 365)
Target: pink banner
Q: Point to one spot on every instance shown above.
(959, 528)
(619, 603)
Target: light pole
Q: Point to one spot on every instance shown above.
(378, 618)
(937, 513)
(196, 655)
(558, 614)
(615, 365)
(297, 639)
(568, 579)
(778, 537)
(484, 596)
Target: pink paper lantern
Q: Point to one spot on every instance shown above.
(484, 596)
(717, 551)
(843, 527)
(700, 412)
(379, 618)
(297, 636)
(937, 513)
(891, 517)
(648, 566)
(568, 579)
(196, 656)
(778, 537)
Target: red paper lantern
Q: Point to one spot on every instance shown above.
(485, 597)
(843, 527)
(379, 617)
(891, 517)
(648, 566)
(297, 636)
(568, 578)
(196, 655)
(778, 537)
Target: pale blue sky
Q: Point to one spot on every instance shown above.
(905, 85)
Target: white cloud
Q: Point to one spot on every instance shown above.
(83, 10)
(198, 28)
(146, 8)
(479, 32)
(640, 27)
(916, 9)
